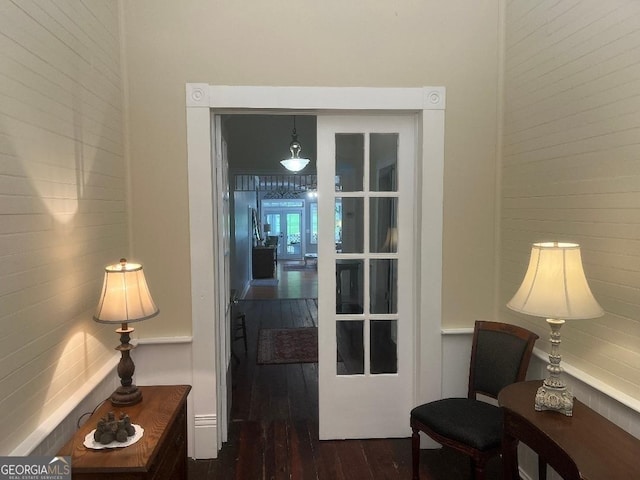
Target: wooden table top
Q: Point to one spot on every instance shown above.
(600, 449)
(159, 407)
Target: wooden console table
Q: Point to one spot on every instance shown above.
(160, 454)
(263, 262)
(587, 444)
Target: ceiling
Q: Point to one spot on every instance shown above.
(257, 143)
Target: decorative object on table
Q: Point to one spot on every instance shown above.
(125, 299)
(91, 442)
(295, 163)
(109, 429)
(555, 288)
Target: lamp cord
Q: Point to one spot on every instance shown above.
(89, 413)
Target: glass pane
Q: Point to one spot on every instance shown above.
(349, 162)
(275, 231)
(383, 235)
(349, 288)
(383, 162)
(383, 291)
(294, 233)
(350, 354)
(313, 213)
(349, 225)
(384, 350)
(338, 225)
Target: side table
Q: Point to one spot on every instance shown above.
(161, 454)
(587, 445)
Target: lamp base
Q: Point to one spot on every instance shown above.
(125, 396)
(555, 398)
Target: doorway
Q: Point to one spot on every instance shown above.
(202, 101)
(286, 222)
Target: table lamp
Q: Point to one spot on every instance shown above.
(555, 288)
(125, 299)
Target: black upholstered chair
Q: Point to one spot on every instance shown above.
(500, 355)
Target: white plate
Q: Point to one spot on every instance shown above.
(89, 442)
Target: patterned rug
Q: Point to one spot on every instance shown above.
(287, 345)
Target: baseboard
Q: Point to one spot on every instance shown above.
(205, 434)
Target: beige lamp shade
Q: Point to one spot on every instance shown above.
(391, 240)
(555, 285)
(125, 295)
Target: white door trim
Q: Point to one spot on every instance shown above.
(202, 100)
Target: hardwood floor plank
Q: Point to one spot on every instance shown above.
(281, 449)
(353, 461)
(380, 457)
(302, 463)
(250, 447)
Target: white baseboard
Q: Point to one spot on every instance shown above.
(205, 435)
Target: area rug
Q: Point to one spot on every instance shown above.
(287, 345)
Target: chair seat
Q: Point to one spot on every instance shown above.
(472, 422)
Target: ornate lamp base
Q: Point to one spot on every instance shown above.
(553, 394)
(554, 398)
(127, 393)
(124, 396)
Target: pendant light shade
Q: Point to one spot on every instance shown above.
(295, 163)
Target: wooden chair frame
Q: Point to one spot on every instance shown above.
(479, 458)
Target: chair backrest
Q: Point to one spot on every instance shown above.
(500, 356)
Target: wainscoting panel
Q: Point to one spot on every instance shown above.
(168, 361)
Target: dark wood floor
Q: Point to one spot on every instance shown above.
(274, 421)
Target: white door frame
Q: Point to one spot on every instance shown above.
(204, 100)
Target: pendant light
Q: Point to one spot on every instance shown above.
(295, 163)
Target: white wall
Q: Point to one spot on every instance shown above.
(242, 240)
(63, 213)
(571, 171)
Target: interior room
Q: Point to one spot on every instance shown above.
(273, 212)
(153, 133)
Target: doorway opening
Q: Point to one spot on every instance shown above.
(274, 214)
(204, 105)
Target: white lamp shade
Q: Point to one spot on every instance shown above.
(555, 285)
(125, 295)
(294, 164)
(391, 241)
